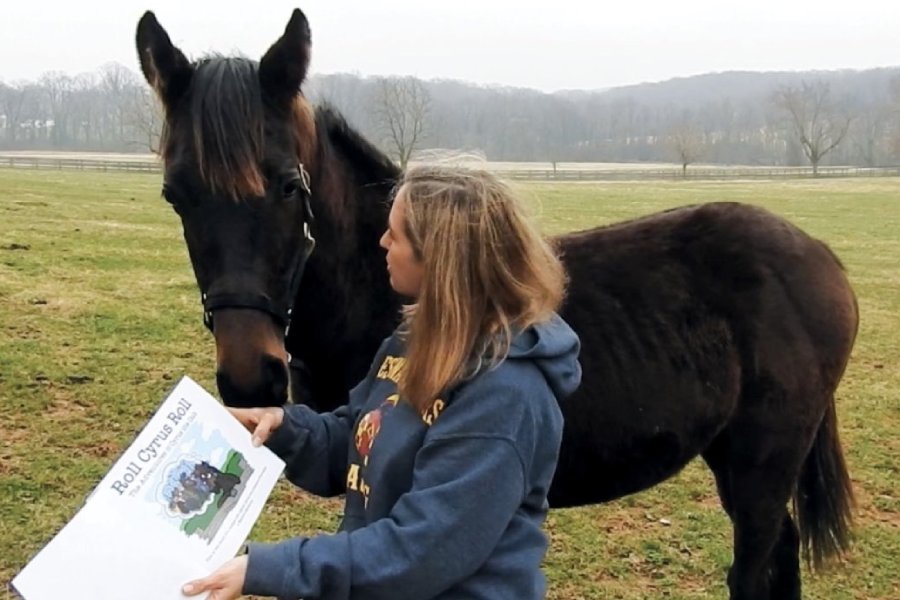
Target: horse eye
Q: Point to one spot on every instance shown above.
(173, 197)
(168, 194)
(291, 187)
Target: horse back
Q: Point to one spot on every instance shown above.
(678, 313)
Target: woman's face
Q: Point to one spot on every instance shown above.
(406, 271)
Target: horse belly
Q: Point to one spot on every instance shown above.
(641, 414)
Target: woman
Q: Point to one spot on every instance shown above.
(447, 448)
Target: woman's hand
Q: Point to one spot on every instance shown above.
(260, 421)
(225, 583)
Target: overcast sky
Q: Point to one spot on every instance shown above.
(551, 45)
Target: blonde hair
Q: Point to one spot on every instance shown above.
(488, 274)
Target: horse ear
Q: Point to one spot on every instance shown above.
(283, 68)
(165, 66)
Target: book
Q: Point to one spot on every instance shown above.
(177, 504)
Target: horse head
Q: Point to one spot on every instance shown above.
(238, 147)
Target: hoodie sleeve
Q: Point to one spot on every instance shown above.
(314, 446)
(437, 534)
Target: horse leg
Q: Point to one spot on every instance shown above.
(755, 496)
(716, 457)
(766, 563)
(785, 563)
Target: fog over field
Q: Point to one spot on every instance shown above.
(568, 44)
(647, 82)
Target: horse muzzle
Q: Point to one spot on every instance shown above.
(251, 362)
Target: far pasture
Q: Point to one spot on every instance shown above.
(100, 315)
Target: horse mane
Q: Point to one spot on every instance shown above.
(227, 125)
(370, 163)
(356, 164)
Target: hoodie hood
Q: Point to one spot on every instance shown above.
(554, 347)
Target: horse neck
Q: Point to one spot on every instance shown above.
(348, 263)
(357, 180)
(344, 306)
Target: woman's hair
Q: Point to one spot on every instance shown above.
(488, 274)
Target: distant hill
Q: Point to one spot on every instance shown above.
(747, 85)
(729, 115)
(732, 111)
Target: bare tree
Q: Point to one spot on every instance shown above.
(14, 102)
(6, 95)
(402, 105)
(686, 141)
(144, 116)
(32, 118)
(117, 83)
(814, 118)
(894, 112)
(867, 134)
(86, 104)
(57, 91)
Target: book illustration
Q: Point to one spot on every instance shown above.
(198, 490)
(191, 486)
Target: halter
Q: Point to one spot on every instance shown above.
(280, 311)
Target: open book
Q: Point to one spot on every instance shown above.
(179, 502)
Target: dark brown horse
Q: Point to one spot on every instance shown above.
(718, 330)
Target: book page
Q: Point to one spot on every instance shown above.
(177, 504)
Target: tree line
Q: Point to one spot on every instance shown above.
(778, 118)
(109, 110)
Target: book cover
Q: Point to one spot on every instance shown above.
(178, 503)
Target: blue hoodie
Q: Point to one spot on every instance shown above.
(448, 504)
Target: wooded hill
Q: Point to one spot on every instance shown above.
(732, 117)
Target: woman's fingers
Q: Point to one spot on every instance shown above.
(261, 422)
(220, 589)
(269, 422)
(225, 583)
(248, 417)
(198, 586)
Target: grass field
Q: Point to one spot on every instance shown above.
(100, 315)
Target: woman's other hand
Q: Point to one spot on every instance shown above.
(225, 583)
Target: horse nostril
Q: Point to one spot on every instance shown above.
(275, 375)
(230, 393)
(268, 388)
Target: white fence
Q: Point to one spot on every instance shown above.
(634, 172)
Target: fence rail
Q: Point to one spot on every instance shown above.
(633, 173)
(78, 164)
(675, 173)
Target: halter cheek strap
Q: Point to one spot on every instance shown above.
(281, 310)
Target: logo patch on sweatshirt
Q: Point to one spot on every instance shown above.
(366, 432)
(370, 425)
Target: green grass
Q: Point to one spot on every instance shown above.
(99, 315)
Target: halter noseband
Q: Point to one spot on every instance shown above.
(280, 311)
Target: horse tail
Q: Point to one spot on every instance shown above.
(823, 501)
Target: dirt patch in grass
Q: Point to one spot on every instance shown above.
(64, 407)
(102, 449)
(877, 507)
(14, 437)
